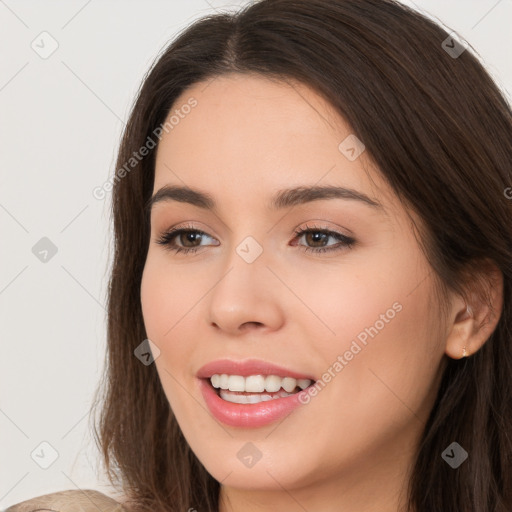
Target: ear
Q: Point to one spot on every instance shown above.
(471, 323)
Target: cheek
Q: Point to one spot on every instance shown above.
(153, 300)
(344, 302)
(166, 308)
(166, 298)
(390, 356)
(381, 324)
(165, 301)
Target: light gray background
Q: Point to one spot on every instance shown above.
(61, 119)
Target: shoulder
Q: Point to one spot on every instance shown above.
(86, 500)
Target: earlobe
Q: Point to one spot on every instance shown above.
(474, 323)
(458, 342)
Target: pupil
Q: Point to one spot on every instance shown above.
(316, 236)
(191, 236)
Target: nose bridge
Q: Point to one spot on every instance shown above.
(243, 292)
(248, 246)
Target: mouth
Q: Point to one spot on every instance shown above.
(252, 409)
(252, 393)
(254, 389)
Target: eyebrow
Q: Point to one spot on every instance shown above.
(282, 199)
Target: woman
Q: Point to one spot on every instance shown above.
(310, 302)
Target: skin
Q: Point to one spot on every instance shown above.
(351, 448)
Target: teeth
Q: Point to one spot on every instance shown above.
(251, 399)
(272, 383)
(223, 381)
(257, 383)
(303, 383)
(289, 384)
(236, 383)
(215, 380)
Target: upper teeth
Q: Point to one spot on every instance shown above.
(257, 383)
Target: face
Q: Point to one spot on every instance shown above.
(346, 303)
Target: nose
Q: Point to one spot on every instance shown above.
(246, 298)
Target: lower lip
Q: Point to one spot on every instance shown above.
(249, 415)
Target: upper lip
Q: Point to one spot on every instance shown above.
(248, 367)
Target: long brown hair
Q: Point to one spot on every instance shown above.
(439, 130)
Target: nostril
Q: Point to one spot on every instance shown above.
(246, 325)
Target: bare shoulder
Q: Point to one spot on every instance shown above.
(86, 500)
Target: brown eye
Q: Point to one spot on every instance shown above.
(319, 237)
(316, 237)
(188, 239)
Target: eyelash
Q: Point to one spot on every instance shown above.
(167, 237)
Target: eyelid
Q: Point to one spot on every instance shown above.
(178, 229)
(345, 242)
(189, 225)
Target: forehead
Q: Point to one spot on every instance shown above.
(255, 134)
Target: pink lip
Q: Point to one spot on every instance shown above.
(249, 415)
(248, 367)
